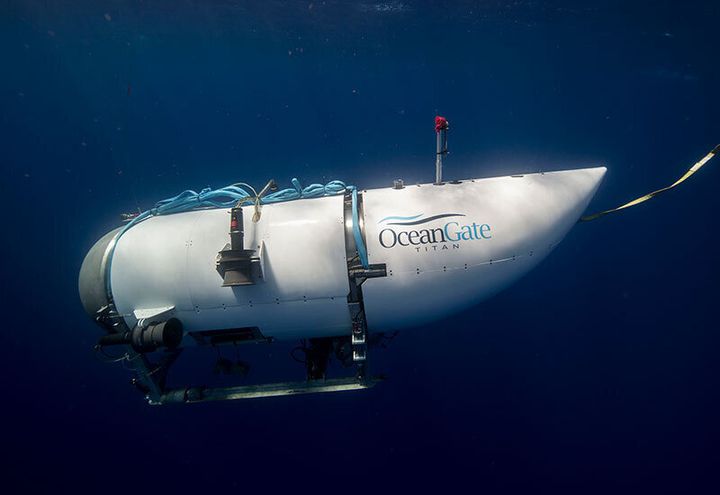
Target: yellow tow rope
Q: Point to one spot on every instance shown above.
(651, 195)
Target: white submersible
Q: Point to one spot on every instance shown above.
(336, 269)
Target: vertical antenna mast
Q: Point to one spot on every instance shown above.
(441, 128)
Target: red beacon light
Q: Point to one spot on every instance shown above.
(441, 124)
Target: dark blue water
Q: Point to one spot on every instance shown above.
(598, 372)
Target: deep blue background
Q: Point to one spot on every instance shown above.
(598, 371)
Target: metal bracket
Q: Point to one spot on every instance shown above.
(357, 274)
(162, 312)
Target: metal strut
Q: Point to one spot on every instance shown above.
(358, 271)
(202, 394)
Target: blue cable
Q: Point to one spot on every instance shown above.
(229, 196)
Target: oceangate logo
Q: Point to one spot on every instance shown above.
(399, 231)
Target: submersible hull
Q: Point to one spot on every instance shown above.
(442, 248)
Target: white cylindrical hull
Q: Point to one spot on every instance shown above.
(445, 248)
(301, 287)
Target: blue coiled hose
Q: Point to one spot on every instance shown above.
(229, 196)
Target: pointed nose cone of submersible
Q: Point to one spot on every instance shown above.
(585, 181)
(464, 241)
(567, 195)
